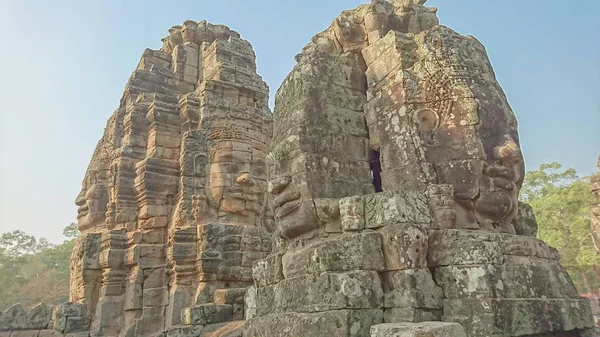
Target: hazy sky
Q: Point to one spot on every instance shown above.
(65, 65)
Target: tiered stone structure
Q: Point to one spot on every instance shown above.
(379, 200)
(174, 207)
(418, 105)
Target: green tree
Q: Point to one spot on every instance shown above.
(561, 202)
(34, 270)
(71, 231)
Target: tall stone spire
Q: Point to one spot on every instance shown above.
(174, 204)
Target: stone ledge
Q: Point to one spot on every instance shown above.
(429, 329)
(348, 323)
(519, 317)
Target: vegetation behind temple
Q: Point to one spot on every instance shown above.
(560, 200)
(33, 270)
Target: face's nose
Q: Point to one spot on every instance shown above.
(245, 179)
(277, 185)
(508, 152)
(80, 200)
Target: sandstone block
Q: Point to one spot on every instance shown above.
(429, 329)
(524, 246)
(474, 281)
(76, 324)
(518, 317)
(396, 207)
(155, 297)
(351, 323)
(229, 296)
(25, 333)
(412, 288)
(347, 252)
(328, 213)
(238, 312)
(525, 222)
(524, 277)
(50, 333)
(405, 246)
(14, 318)
(352, 212)
(460, 247)
(39, 317)
(250, 303)
(327, 291)
(411, 315)
(183, 331)
(268, 271)
(151, 322)
(207, 314)
(78, 334)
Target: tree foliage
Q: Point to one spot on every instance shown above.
(560, 200)
(34, 270)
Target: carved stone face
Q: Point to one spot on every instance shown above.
(470, 136)
(238, 180)
(92, 201)
(293, 206)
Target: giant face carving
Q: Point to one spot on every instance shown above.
(293, 206)
(92, 200)
(470, 133)
(238, 181)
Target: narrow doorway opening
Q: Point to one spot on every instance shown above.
(375, 165)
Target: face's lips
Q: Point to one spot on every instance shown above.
(502, 183)
(244, 196)
(82, 211)
(286, 196)
(287, 208)
(245, 193)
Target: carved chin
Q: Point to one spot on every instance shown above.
(91, 220)
(298, 222)
(495, 206)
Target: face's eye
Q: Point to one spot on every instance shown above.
(235, 168)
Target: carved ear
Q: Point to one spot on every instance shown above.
(427, 120)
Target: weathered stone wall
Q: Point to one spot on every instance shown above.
(174, 208)
(199, 210)
(68, 319)
(446, 240)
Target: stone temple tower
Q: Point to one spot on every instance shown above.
(380, 199)
(174, 205)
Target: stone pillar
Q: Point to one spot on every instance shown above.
(325, 279)
(122, 208)
(182, 254)
(108, 319)
(86, 272)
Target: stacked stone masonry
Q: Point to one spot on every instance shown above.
(379, 199)
(174, 207)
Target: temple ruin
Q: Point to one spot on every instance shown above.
(380, 198)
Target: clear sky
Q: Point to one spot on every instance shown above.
(65, 65)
